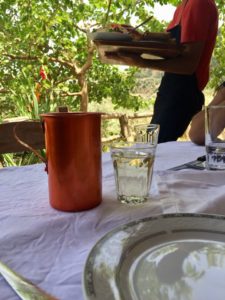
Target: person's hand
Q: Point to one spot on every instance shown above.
(127, 58)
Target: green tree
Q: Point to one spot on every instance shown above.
(54, 35)
(218, 66)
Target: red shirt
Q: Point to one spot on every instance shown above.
(199, 22)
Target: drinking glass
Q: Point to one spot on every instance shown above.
(215, 137)
(133, 165)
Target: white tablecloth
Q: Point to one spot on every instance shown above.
(50, 247)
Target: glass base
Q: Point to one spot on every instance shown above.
(215, 167)
(132, 200)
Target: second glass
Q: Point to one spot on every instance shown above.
(215, 137)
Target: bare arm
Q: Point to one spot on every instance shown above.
(197, 130)
(186, 63)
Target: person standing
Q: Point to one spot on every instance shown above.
(180, 96)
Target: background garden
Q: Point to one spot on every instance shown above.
(48, 60)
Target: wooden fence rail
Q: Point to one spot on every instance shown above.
(32, 131)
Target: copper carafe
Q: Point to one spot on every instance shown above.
(73, 150)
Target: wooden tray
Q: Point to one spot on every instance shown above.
(159, 49)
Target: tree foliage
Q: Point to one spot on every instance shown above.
(47, 58)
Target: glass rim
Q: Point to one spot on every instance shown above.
(145, 146)
(147, 125)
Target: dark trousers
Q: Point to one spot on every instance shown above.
(178, 100)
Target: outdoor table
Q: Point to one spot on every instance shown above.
(50, 247)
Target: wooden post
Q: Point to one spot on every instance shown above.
(124, 125)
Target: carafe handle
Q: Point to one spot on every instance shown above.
(18, 139)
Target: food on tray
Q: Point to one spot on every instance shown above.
(128, 29)
(123, 29)
(126, 32)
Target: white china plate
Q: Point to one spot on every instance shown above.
(173, 256)
(110, 36)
